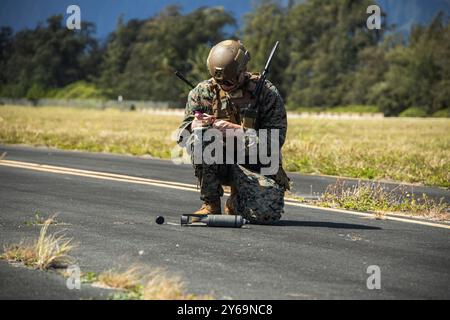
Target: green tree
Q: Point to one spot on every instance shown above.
(326, 40)
(6, 40)
(418, 73)
(117, 53)
(47, 57)
(263, 26)
(429, 69)
(166, 42)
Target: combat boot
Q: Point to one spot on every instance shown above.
(210, 207)
(229, 208)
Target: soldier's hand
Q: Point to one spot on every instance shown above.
(223, 125)
(202, 120)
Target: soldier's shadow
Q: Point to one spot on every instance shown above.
(322, 224)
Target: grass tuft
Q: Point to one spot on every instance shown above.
(139, 284)
(126, 280)
(373, 197)
(89, 277)
(48, 251)
(20, 253)
(161, 287)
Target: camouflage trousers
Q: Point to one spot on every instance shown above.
(259, 199)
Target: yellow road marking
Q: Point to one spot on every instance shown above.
(97, 175)
(180, 186)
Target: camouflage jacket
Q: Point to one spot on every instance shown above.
(272, 113)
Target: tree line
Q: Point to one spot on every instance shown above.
(327, 57)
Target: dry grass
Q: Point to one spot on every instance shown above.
(395, 149)
(126, 280)
(373, 197)
(137, 283)
(407, 150)
(21, 253)
(159, 286)
(48, 251)
(89, 130)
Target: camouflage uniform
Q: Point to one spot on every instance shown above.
(259, 199)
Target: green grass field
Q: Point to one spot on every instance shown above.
(406, 150)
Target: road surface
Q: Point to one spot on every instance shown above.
(108, 205)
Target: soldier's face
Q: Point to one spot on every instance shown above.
(229, 86)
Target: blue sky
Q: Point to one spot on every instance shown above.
(20, 14)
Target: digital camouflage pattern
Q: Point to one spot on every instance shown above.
(272, 113)
(259, 198)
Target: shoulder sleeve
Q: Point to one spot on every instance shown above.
(201, 97)
(273, 112)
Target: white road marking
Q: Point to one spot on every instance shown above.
(182, 186)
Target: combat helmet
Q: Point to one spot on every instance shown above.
(227, 60)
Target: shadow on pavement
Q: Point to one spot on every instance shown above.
(322, 224)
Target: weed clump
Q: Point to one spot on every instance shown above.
(48, 251)
(139, 284)
(373, 197)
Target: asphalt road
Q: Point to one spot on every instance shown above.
(311, 254)
(303, 185)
